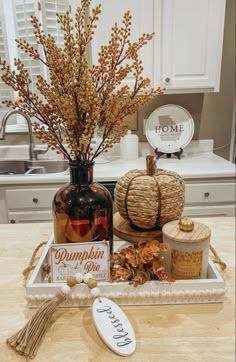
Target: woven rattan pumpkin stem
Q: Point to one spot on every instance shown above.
(151, 165)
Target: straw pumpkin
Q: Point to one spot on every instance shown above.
(151, 197)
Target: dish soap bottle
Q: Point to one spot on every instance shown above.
(129, 147)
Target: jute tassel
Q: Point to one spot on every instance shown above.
(27, 341)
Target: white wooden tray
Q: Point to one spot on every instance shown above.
(210, 290)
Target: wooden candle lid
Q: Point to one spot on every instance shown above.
(199, 233)
(125, 231)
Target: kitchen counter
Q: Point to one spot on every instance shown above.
(190, 166)
(164, 332)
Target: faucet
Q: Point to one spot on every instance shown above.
(34, 150)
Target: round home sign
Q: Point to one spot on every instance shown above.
(169, 128)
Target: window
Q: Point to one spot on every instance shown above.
(17, 15)
(5, 91)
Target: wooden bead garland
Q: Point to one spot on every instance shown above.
(78, 279)
(92, 283)
(71, 281)
(28, 339)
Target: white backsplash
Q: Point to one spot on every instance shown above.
(22, 151)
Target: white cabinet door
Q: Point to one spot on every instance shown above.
(112, 12)
(28, 203)
(189, 46)
(185, 54)
(29, 216)
(209, 197)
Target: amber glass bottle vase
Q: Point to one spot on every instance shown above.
(82, 209)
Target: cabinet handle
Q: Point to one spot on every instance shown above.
(167, 80)
(35, 200)
(12, 221)
(206, 194)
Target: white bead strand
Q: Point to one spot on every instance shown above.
(65, 289)
(95, 292)
(87, 277)
(79, 277)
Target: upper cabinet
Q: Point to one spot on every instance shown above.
(142, 22)
(185, 55)
(190, 49)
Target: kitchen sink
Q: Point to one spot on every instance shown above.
(32, 167)
(11, 167)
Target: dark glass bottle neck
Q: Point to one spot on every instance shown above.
(81, 173)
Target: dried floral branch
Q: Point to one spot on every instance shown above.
(79, 97)
(140, 263)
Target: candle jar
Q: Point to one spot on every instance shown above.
(188, 251)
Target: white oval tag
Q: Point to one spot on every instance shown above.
(114, 327)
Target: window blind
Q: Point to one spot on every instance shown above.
(22, 10)
(5, 91)
(49, 11)
(24, 30)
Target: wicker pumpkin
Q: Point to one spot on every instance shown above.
(151, 197)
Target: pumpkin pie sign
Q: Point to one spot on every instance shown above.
(88, 257)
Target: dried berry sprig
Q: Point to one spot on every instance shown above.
(140, 263)
(79, 97)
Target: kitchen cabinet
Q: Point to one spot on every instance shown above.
(191, 43)
(112, 12)
(28, 203)
(33, 203)
(185, 54)
(209, 181)
(209, 197)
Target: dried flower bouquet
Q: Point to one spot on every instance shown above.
(79, 97)
(140, 263)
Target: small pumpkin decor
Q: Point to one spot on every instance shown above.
(150, 198)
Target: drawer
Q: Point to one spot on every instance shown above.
(29, 216)
(215, 210)
(30, 198)
(210, 193)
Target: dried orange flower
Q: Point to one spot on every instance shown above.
(79, 97)
(140, 263)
